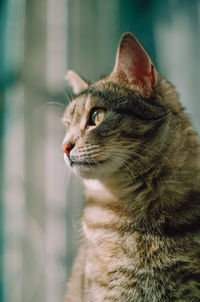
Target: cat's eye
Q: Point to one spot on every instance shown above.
(96, 117)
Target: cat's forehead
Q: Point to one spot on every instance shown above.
(83, 102)
(103, 95)
(79, 106)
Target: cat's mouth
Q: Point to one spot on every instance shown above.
(85, 163)
(87, 168)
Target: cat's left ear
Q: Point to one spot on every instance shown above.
(77, 83)
(133, 66)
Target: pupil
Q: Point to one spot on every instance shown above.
(95, 114)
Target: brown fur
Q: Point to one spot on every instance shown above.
(141, 220)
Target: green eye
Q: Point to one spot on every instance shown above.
(96, 117)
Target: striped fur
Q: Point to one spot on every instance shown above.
(141, 170)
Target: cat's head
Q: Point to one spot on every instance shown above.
(119, 124)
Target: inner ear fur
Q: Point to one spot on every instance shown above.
(133, 66)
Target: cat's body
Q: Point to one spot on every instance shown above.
(129, 138)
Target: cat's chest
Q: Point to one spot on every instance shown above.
(101, 220)
(117, 260)
(105, 240)
(101, 225)
(106, 251)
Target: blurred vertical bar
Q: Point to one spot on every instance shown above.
(93, 33)
(33, 74)
(13, 147)
(177, 36)
(2, 133)
(55, 184)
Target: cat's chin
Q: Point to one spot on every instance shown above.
(88, 171)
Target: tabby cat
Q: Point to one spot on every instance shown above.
(131, 142)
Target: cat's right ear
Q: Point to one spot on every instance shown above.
(133, 66)
(77, 83)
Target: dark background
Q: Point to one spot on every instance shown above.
(40, 201)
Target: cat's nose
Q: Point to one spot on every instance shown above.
(67, 148)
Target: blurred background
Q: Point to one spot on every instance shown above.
(40, 201)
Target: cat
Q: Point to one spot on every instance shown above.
(130, 140)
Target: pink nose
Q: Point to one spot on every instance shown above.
(66, 149)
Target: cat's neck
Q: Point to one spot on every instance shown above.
(117, 188)
(167, 202)
(98, 193)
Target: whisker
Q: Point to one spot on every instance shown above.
(54, 103)
(68, 96)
